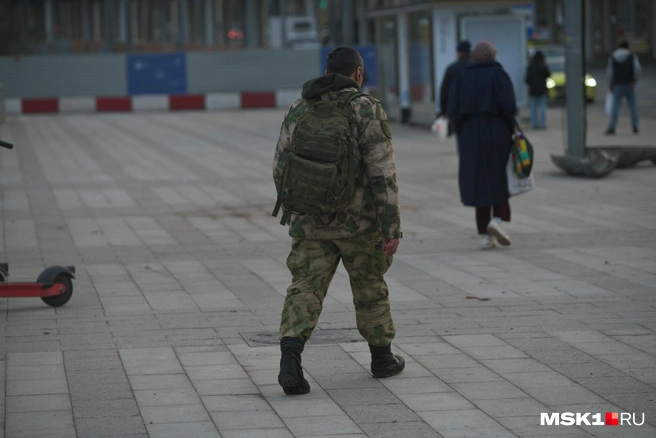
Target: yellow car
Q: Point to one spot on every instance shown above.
(556, 84)
(555, 58)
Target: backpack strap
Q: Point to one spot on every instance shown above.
(276, 209)
(344, 103)
(313, 100)
(345, 100)
(286, 215)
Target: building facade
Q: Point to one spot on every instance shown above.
(106, 26)
(413, 41)
(96, 26)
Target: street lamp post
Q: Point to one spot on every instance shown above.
(578, 159)
(574, 89)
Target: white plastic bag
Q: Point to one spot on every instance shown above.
(609, 103)
(517, 186)
(441, 127)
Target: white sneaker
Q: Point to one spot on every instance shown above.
(488, 242)
(495, 230)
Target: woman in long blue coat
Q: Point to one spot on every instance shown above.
(482, 108)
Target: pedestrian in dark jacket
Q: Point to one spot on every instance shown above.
(482, 107)
(537, 74)
(452, 71)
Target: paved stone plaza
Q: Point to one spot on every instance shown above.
(171, 331)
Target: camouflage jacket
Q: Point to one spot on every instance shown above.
(375, 206)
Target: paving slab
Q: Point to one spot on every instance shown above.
(50, 423)
(172, 328)
(246, 420)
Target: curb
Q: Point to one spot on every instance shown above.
(172, 102)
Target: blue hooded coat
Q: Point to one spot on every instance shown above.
(482, 107)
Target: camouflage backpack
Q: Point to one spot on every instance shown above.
(321, 173)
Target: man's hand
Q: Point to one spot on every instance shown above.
(390, 246)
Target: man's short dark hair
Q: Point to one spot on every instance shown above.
(624, 44)
(464, 47)
(344, 61)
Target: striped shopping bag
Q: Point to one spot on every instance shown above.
(522, 153)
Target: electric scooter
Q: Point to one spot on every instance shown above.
(54, 285)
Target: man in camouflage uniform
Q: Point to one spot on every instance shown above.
(365, 235)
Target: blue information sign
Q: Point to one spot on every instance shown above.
(157, 73)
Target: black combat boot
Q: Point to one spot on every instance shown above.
(384, 363)
(291, 374)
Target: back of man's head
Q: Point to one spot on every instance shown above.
(344, 61)
(624, 44)
(464, 48)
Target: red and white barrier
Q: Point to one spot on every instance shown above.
(173, 102)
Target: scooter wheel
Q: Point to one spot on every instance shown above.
(60, 300)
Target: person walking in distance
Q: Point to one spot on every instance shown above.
(452, 72)
(536, 79)
(335, 174)
(482, 107)
(622, 74)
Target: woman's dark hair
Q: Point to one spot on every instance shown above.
(538, 58)
(344, 61)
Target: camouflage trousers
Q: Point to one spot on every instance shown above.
(313, 264)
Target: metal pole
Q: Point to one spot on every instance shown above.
(589, 31)
(48, 20)
(310, 10)
(86, 25)
(251, 30)
(109, 27)
(550, 12)
(379, 31)
(347, 22)
(574, 88)
(209, 23)
(653, 30)
(219, 22)
(606, 28)
(123, 21)
(404, 66)
(134, 24)
(128, 26)
(97, 21)
(263, 25)
(163, 31)
(333, 23)
(362, 22)
(182, 23)
(283, 22)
